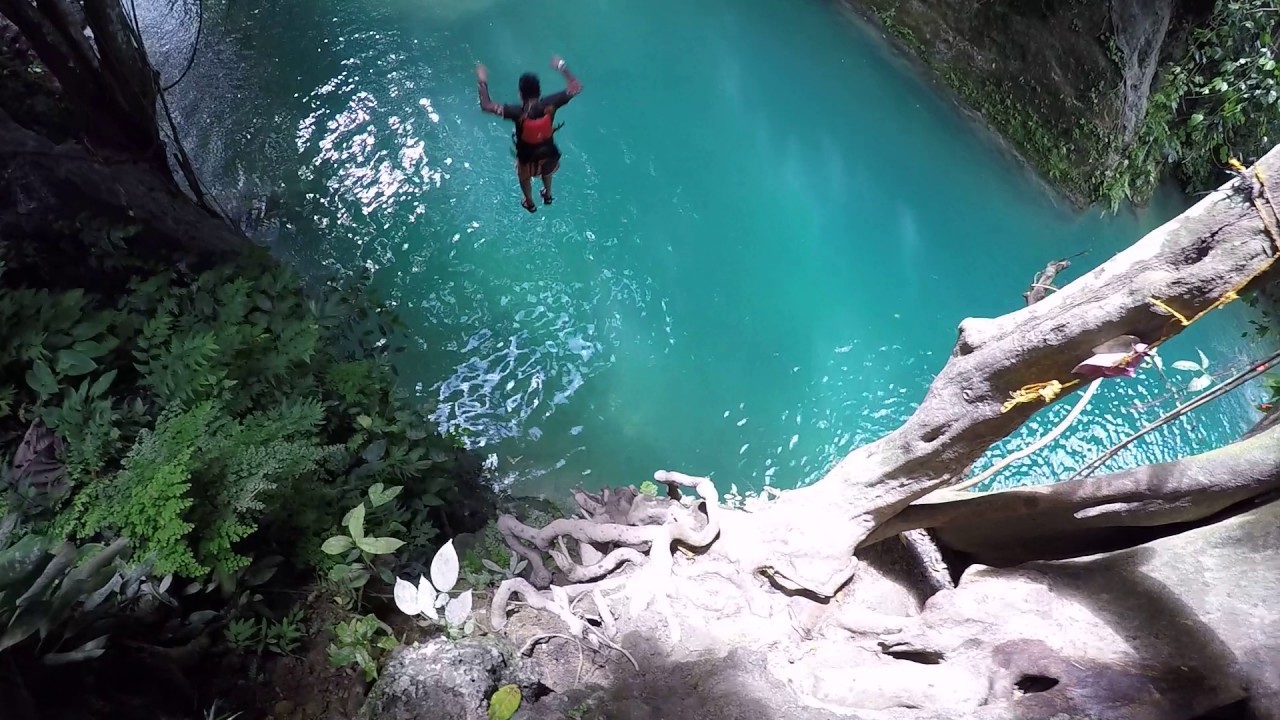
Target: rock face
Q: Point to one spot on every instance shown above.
(1140, 28)
(446, 680)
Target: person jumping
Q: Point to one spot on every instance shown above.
(536, 151)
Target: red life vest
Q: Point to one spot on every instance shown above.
(534, 131)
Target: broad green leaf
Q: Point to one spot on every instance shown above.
(365, 421)
(87, 651)
(378, 496)
(337, 545)
(73, 363)
(103, 383)
(90, 327)
(91, 349)
(64, 558)
(358, 577)
(25, 623)
(504, 703)
(27, 557)
(339, 572)
(444, 567)
(1195, 120)
(41, 379)
(375, 451)
(355, 522)
(379, 546)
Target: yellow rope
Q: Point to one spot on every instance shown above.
(1048, 391)
(1234, 293)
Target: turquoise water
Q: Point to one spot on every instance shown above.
(766, 228)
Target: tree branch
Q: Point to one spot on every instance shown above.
(1190, 265)
(1081, 517)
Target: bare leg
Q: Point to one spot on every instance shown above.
(526, 186)
(546, 189)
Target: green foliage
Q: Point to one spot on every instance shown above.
(364, 555)
(261, 634)
(1221, 100)
(361, 641)
(196, 409)
(59, 598)
(649, 487)
(504, 703)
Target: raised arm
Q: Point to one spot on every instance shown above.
(572, 85)
(486, 103)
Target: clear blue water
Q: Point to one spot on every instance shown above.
(767, 228)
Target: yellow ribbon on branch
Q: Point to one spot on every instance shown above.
(1049, 391)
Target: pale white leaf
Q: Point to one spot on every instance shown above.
(1200, 383)
(1204, 361)
(406, 596)
(1159, 363)
(1187, 365)
(427, 599)
(441, 600)
(456, 612)
(444, 568)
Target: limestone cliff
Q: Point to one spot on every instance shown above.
(1065, 82)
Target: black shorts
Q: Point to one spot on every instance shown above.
(540, 159)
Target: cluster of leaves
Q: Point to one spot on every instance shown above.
(261, 634)
(361, 641)
(1221, 100)
(196, 409)
(61, 599)
(362, 555)
(490, 561)
(428, 597)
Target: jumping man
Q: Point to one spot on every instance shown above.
(536, 151)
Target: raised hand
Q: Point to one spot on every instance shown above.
(482, 73)
(557, 62)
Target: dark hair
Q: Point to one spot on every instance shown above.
(530, 87)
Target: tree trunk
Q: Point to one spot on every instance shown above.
(1189, 265)
(49, 191)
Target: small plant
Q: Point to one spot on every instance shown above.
(514, 566)
(281, 637)
(361, 552)
(1203, 380)
(242, 634)
(361, 641)
(649, 487)
(429, 596)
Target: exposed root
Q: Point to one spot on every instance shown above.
(582, 652)
(822, 591)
